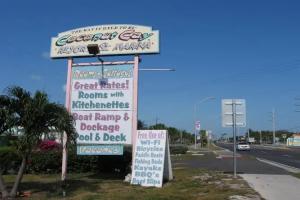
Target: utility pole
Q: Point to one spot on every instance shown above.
(248, 131)
(180, 137)
(195, 107)
(273, 120)
(238, 133)
(248, 134)
(260, 139)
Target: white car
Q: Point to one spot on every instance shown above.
(243, 146)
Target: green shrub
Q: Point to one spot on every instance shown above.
(80, 163)
(44, 162)
(178, 149)
(49, 161)
(121, 164)
(9, 159)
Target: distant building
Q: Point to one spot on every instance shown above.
(294, 140)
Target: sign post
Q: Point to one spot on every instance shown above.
(234, 115)
(197, 129)
(65, 137)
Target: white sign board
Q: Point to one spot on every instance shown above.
(227, 112)
(152, 162)
(114, 39)
(103, 113)
(100, 149)
(197, 126)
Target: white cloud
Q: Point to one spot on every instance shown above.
(35, 77)
(46, 55)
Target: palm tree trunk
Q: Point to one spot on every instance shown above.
(4, 193)
(13, 192)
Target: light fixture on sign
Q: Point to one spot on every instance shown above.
(94, 50)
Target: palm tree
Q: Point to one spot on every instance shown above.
(37, 116)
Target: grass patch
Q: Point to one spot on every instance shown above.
(191, 184)
(215, 147)
(188, 184)
(297, 175)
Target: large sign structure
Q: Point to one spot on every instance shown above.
(103, 113)
(106, 115)
(111, 39)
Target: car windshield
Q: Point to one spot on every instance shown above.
(242, 143)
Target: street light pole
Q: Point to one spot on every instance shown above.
(273, 119)
(260, 138)
(195, 107)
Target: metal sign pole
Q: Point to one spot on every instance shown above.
(135, 103)
(195, 126)
(65, 137)
(195, 137)
(234, 136)
(260, 138)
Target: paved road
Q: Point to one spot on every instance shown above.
(223, 161)
(289, 157)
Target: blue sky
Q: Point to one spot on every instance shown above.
(225, 49)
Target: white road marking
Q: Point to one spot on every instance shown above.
(280, 165)
(287, 155)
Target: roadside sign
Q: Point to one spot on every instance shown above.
(100, 149)
(197, 126)
(151, 161)
(251, 139)
(227, 112)
(284, 135)
(112, 39)
(103, 113)
(234, 115)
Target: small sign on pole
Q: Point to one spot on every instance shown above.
(234, 115)
(227, 112)
(152, 161)
(197, 126)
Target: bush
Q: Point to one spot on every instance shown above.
(121, 164)
(80, 163)
(9, 160)
(44, 162)
(178, 149)
(49, 161)
(46, 145)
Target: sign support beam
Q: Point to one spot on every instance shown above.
(65, 137)
(234, 137)
(135, 102)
